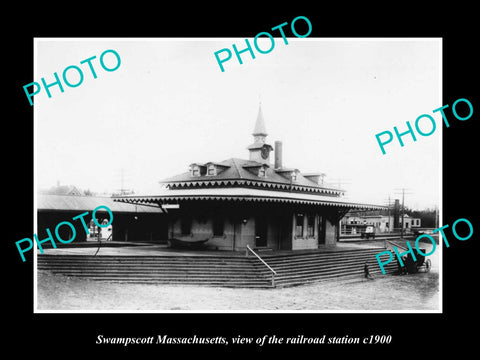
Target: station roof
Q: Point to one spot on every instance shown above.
(238, 172)
(47, 202)
(245, 194)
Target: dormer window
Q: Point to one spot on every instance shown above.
(208, 169)
(262, 172)
(294, 175)
(211, 170)
(257, 169)
(288, 174)
(195, 170)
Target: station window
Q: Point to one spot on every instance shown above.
(311, 225)
(218, 226)
(299, 225)
(186, 225)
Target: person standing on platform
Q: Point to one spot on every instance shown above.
(366, 271)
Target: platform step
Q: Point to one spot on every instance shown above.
(222, 271)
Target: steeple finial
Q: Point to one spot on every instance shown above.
(260, 123)
(260, 150)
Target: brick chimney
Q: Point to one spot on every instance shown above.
(278, 155)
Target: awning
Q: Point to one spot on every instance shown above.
(245, 195)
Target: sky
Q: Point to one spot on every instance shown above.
(169, 105)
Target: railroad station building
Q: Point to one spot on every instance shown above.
(257, 201)
(354, 222)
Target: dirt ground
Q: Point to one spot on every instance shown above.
(412, 292)
(384, 293)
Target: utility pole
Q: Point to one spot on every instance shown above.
(403, 210)
(403, 213)
(122, 189)
(390, 223)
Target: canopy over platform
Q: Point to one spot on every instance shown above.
(244, 194)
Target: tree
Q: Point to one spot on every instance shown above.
(89, 192)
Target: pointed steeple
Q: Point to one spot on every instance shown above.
(260, 128)
(259, 150)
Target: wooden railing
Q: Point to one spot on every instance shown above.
(263, 262)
